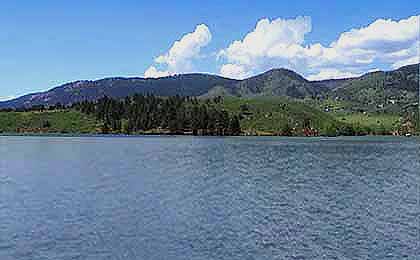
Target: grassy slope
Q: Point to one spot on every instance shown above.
(272, 114)
(376, 122)
(265, 115)
(59, 121)
(375, 91)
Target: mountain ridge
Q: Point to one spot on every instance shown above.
(275, 82)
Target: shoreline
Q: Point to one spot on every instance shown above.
(185, 135)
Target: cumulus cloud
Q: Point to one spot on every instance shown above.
(268, 39)
(270, 43)
(383, 41)
(6, 98)
(393, 33)
(405, 62)
(234, 71)
(153, 72)
(180, 56)
(332, 74)
(281, 43)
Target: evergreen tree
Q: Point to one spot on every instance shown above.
(176, 114)
(235, 126)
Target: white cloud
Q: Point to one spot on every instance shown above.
(269, 43)
(280, 43)
(180, 56)
(152, 72)
(405, 62)
(332, 74)
(268, 38)
(405, 56)
(383, 41)
(6, 98)
(234, 71)
(392, 33)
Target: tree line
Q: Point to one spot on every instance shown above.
(175, 115)
(37, 108)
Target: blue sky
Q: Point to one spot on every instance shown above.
(47, 43)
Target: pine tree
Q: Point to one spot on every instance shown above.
(235, 126)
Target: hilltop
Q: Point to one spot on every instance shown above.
(279, 101)
(393, 90)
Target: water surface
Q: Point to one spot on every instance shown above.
(209, 198)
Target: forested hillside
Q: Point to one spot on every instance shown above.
(392, 90)
(216, 116)
(175, 115)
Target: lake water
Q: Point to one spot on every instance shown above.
(209, 198)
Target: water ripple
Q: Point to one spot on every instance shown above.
(209, 198)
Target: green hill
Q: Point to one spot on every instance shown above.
(391, 91)
(65, 121)
(264, 115)
(278, 82)
(277, 115)
(258, 116)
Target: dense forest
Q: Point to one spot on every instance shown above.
(148, 114)
(174, 115)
